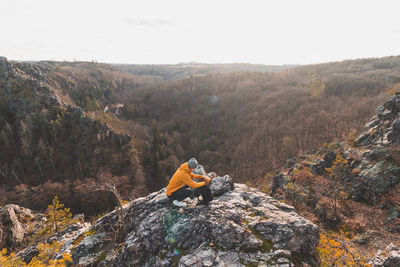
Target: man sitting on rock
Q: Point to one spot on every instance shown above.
(180, 185)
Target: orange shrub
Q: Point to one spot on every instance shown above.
(336, 249)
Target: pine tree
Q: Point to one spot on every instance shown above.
(58, 218)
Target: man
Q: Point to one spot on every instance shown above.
(180, 185)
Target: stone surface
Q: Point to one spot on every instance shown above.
(12, 231)
(388, 258)
(373, 180)
(319, 167)
(329, 157)
(384, 127)
(393, 260)
(221, 185)
(280, 181)
(28, 253)
(85, 252)
(240, 227)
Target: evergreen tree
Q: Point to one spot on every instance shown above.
(57, 217)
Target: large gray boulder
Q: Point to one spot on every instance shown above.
(240, 227)
(374, 180)
(221, 185)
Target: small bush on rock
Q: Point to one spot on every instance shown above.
(46, 257)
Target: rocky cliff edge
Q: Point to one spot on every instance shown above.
(240, 227)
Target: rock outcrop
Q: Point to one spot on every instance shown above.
(240, 227)
(367, 173)
(384, 127)
(375, 170)
(12, 231)
(390, 257)
(68, 237)
(371, 169)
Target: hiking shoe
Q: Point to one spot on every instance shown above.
(179, 203)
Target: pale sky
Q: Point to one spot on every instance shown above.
(209, 31)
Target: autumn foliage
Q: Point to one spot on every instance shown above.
(336, 249)
(47, 253)
(57, 219)
(241, 123)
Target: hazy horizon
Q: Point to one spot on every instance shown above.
(191, 62)
(209, 32)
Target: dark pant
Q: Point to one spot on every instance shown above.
(186, 191)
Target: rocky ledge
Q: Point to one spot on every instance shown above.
(384, 127)
(390, 257)
(240, 227)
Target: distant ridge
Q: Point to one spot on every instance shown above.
(184, 69)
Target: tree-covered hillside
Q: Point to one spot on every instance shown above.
(180, 71)
(247, 123)
(56, 136)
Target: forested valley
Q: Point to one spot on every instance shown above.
(108, 122)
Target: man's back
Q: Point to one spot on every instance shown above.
(183, 176)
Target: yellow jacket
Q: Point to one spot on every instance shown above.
(183, 176)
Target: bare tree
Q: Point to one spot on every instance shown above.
(109, 183)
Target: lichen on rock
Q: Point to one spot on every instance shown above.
(240, 227)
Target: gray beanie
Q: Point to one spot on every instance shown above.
(192, 163)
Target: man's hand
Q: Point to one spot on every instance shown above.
(207, 180)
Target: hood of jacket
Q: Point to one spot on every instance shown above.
(185, 167)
